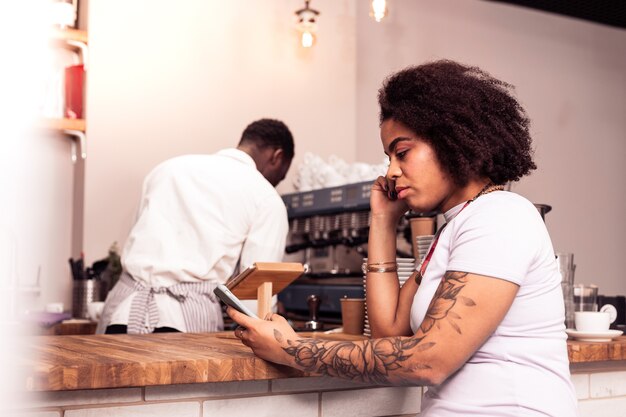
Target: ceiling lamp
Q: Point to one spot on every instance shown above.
(307, 25)
(378, 9)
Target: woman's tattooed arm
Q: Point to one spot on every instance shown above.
(382, 361)
(365, 361)
(444, 300)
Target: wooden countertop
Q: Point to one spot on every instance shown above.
(582, 352)
(59, 363)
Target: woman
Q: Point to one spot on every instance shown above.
(481, 322)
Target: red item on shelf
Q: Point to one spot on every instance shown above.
(74, 83)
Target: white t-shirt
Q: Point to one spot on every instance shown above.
(523, 368)
(197, 215)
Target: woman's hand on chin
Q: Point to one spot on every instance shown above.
(266, 338)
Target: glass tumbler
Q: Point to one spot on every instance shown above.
(585, 297)
(565, 263)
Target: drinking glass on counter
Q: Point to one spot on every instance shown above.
(585, 297)
(565, 263)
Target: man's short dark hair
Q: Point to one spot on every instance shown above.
(475, 125)
(269, 133)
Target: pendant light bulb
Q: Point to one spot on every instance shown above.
(307, 39)
(378, 9)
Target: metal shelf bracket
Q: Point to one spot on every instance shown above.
(79, 142)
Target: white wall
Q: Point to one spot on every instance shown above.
(168, 80)
(571, 78)
(41, 229)
(172, 78)
(36, 173)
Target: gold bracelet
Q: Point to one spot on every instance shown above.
(370, 268)
(383, 263)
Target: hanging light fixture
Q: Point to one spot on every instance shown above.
(307, 25)
(378, 9)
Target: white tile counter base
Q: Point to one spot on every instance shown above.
(293, 397)
(600, 394)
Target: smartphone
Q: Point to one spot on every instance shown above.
(230, 299)
(392, 194)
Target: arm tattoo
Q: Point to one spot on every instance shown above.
(364, 361)
(445, 298)
(371, 360)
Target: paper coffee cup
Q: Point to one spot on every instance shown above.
(353, 315)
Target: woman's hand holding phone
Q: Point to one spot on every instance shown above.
(267, 337)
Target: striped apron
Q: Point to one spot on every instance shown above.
(201, 309)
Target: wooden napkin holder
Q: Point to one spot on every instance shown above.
(262, 280)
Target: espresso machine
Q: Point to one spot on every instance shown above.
(328, 232)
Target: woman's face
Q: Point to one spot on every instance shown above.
(414, 167)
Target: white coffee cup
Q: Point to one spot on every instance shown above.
(94, 310)
(592, 321)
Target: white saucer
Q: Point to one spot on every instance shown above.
(593, 336)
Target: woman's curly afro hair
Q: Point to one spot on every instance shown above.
(476, 127)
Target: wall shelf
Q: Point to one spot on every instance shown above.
(76, 40)
(65, 35)
(64, 124)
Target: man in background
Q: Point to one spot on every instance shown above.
(201, 218)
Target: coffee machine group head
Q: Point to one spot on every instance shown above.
(329, 227)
